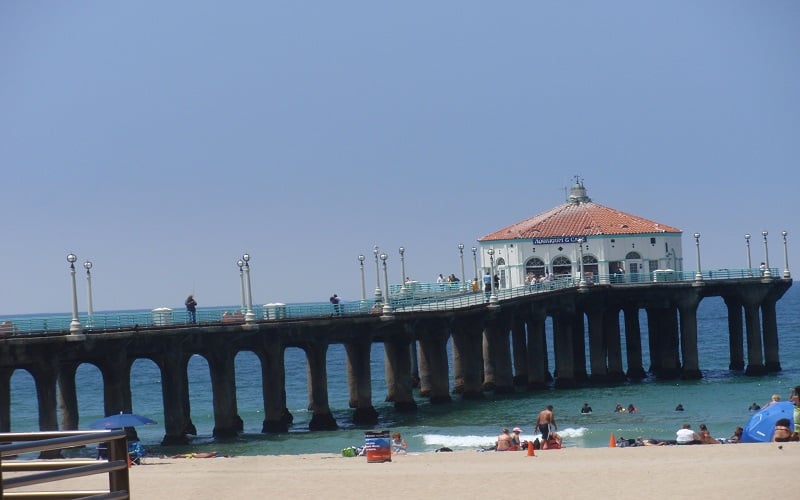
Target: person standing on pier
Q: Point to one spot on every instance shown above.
(191, 308)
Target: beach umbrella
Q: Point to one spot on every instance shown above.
(761, 426)
(121, 420)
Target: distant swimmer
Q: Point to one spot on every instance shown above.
(679, 407)
(586, 408)
(619, 408)
(754, 407)
(631, 408)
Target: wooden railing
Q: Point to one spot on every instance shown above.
(13, 473)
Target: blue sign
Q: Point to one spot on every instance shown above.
(557, 240)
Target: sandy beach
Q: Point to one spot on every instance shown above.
(711, 471)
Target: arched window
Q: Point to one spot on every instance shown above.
(534, 267)
(633, 256)
(562, 266)
(590, 265)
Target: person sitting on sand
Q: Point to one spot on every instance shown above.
(736, 437)
(504, 441)
(399, 445)
(783, 433)
(516, 442)
(553, 441)
(686, 435)
(705, 436)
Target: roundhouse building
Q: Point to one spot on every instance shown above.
(614, 245)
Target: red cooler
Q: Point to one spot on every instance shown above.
(378, 446)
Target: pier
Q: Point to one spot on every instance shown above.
(496, 346)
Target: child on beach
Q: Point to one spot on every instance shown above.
(399, 445)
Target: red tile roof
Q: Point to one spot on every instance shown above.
(579, 218)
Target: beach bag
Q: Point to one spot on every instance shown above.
(350, 451)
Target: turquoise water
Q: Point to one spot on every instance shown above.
(720, 400)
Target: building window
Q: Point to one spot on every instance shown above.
(633, 256)
(534, 268)
(590, 266)
(562, 266)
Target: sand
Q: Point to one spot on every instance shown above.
(711, 471)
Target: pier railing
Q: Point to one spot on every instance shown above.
(14, 472)
(414, 296)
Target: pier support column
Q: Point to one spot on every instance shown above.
(434, 370)
(322, 419)
(563, 322)
(520, 350)
(663, 326)
(735, 333)
(597, 347)
(467, 335)
(68, 396)
(770, 325)
(687, 307)
(227, 422)
(611, 333)
(359, 378)
(45, 376)
(397, 354)
(277, 418)
(497, 374)
(537, 350)
(579, 347)
(633, 343)
(175, 396)
(755, 360)
(5, 399)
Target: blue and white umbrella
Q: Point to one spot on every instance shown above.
(121, 420)
(761, 426)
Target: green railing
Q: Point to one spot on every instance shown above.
(414, 296)
(13, 473)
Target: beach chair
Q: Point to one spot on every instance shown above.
(136, 452)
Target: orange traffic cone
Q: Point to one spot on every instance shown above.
(612, 441)
(530, 449)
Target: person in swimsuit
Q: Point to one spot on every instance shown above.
(546, 422)
(782, 433)
(504, 441)
(399, 445)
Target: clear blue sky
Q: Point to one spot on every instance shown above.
(161, 140)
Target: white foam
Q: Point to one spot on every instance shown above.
(473, 441)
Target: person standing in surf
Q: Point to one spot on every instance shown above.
(546, 422)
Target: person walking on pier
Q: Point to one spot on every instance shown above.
(191, 308)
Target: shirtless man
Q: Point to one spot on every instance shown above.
(504, 441)
(546, 422)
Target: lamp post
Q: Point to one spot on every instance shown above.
(475, 261)
(493, 296)
(249, 316)
(749, 263)
(699, 274)
(240, 263)
(786, 273)
(75, 324)
(767, 273)
(403, 287)
(378, 292)
(582, 282)
(461, 256)
(387, 309)
(363, 284)
(90, 312)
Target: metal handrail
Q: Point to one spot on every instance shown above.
(414, 296)
(55, 470)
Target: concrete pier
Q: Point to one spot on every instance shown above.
(501, 349)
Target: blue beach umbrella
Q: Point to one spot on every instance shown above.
(121, 420)
(761, 426)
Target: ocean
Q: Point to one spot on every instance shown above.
(720, 400)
